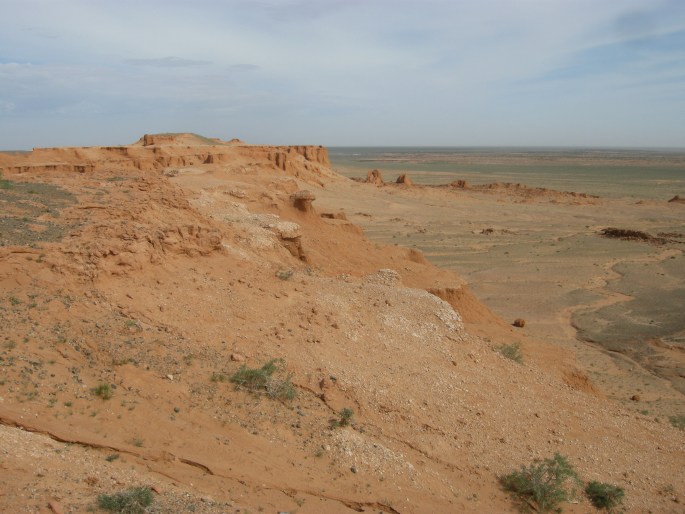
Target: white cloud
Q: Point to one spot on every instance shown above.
(167, 62)
(337, 68)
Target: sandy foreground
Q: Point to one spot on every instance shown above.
(135, 281)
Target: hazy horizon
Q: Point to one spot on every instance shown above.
(436, 147)
(491, 73)
(521, 147)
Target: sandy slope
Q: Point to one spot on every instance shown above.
(163, 280)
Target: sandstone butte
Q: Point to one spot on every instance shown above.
(136, 280)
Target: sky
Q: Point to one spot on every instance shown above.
(598, 73)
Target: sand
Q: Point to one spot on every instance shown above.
(154, 272)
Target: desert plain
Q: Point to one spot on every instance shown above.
(136, 282)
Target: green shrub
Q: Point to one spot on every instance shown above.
(546, 484)
(284, 274)
(132, 501)
(604, 496)
(677, 421)
(4, 183)
(266, 380)
(104, 391)
(511, 351)
(344, 418)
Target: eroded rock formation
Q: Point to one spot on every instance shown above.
(374, 177)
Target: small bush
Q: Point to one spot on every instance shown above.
(511, 351)
(344, 418)
(284, 274)
(4, 183)
(263, 380)
(546, 484)
(104, 391)
(281, 389)
(132, 501)
(677, 421)
(604, 496)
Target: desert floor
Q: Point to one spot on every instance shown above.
(538, 255)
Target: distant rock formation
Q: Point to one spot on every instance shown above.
(631, 235)
(404, 179)
(627, 234)
(158, 152)
(334, 215)
(374, 177)
(677, 199)
(181, 138)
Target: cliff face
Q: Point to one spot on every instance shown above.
(161, 151)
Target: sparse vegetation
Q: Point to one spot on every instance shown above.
(218, 377)
(104, 391)
(31, 395)
(511, 351)
(133, 324)
(4, 183)
(284, 274)
(668, 490)
(344, 418)
(677, 421)
(132, 501)
(23, 224)
(604, 496)
(266, 380)
(544, 485)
